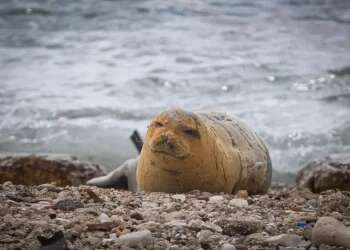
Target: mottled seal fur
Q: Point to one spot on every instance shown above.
(183, 151)
(211, 152)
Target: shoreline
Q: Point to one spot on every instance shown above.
(87, 217)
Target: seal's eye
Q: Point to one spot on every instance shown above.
(158, 124)
(191, 132)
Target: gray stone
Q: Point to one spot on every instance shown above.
(204, 235)
(287, 240)
(136, 239)
(103, 218)
(238, 202)
(322, 175)
(330, 231)
(233, 227)
(179, 197)
(216, 199)
(227, 246)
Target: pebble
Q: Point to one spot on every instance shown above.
(136, 239)
(180, 197)
(136, 216)
(238, 202)
(287, 240)
(176, 223)
(231, 227)
(104, 218)
(227, 246)
(216, 199)
(68, 204)
(204, 235)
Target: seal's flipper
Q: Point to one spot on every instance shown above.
(115, 179)
(123, 177)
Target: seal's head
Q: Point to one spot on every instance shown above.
(177, 155)
(175, 134)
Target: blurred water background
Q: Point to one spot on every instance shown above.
(78, 76)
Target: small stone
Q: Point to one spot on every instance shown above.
(57, 241)
(216, 199)
(176, 223)
(136, 239)
(232, 227)
(68, 204)
(212, 227)
(93, 196)
(255, 237)
(227, 246)
(136, 216)
(106, 226)
(104, 218)
(179, 197)
(287, 240)
(204, 235)
(237, 202)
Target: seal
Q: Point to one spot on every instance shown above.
(211, 152)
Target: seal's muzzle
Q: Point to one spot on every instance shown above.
(167, 144)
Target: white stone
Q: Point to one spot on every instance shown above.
(103, 218)
(136, 239)
(287, 240)
(203, 236)
(176, 223)
(217, 199)
(239, 202)
(228, 247)
(180, 197)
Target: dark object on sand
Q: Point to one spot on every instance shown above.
(30, 169)
(322, 175)
(137, 140)
(56, 242)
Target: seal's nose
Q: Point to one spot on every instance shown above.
(168, 143)
(164, 143)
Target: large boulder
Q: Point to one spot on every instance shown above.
(322, 175)
(28, 169)
(330, 231)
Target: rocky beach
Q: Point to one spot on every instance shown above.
(49, 216)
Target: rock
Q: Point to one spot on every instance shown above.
(179, 197)
(255, 237)
(136, 239)
(216, 199)
(287, 240)
(30, 169)
(106, 226)
(227, 246)
(136, 216)
(176, 223)
(324, 174)
(330, 231)
(103, 218)
(56, 242)
(331, 201)
(238, 202)
(232, 227)
(68, 204)
(93, 195)
(203, 236)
